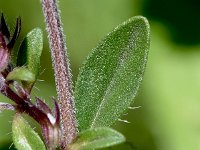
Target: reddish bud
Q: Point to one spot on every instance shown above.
(4, 53)
(5, 43)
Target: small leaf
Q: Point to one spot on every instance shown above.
(24, 137)
(30, 51)
(110, 77)
(97, 138)
(21, 74)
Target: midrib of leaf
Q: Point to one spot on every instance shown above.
(121, 62)
(23, 141)
(117, 61)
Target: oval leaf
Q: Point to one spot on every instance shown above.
(24, 137)
(110, 77)
(97, 138)
(30, 51)
(21, 74)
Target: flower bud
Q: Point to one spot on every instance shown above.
(5, 43)
(4, 53)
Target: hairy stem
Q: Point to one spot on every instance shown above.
(61, 70)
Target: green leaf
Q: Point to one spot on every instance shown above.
(21, 74)
(30, 51)
(24, 137)
(97, 138)
(110, 77)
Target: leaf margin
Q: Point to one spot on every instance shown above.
(19, 125)
(100, 137)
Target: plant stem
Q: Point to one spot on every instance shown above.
(61, 71)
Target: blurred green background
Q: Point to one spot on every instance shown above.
(168, 118)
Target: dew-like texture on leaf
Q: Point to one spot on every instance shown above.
(111, 75)
(30, 51)
(97, 138)
(24, 137)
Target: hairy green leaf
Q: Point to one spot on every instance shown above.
(21, 74)
(24, 137)
(110, 77)
(30, 51)
(97, 138)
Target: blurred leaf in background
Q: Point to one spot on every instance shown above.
(180, 16)
(168, 118)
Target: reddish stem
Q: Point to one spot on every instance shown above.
(61, 70)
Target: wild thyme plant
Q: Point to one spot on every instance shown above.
(106, 85)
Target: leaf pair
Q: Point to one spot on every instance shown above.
(26, 72)
(24, 137)
(107, 84)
